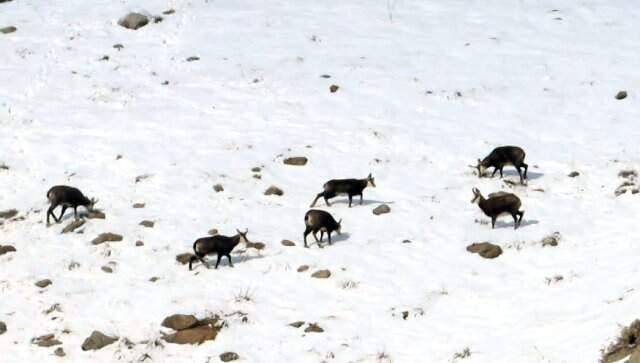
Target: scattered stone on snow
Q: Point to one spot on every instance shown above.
(197, 335)
(212, 232)
(106, 237)
(193, 59)
(321, 274)
(218, 188)
(119, 47)
(273, 190)
(45, 341)
(229, 356)
(256, 245)
(551, 240)
(96, 214)
(107, 269)
(288, 243)
(139, 243)
(8, 29)
(97, 340)
(381, 209)
(138, 205)
(154, 279)
(6, 249)
(485, 249)
(334, 88)
(147, 224)
(303, 268)
(59, 352)
(168, 12)
(621, 95)
(256, 169)
(297, 324)
(180, 321)
(3, 327)
(133, 21)
(43, 283)
(406, 241)
(9, 213)
(296, 160)
(73, 225)
(573, 174)
(313, 328)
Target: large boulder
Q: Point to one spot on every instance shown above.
(180, 321)
(97, 340)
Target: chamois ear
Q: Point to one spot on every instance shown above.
(475, 191)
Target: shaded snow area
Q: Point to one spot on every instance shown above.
(222, 92)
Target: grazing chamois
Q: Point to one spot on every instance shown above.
(350, 187)
(501, 156)
(497, 204)
(220, 245)
(318, 220)
(67, 196)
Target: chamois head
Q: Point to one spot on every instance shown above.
(92, 203)
(371, 182)
(243, 235)
(339, 229)
(477, 196)
(481, 168)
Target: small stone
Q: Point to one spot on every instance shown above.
(218, 188)
(97, 340)
(104, 58)
(212, 232)
(147, 224)
(288, 243)
(168, 12)
(138, 205)
(257, 176)
(313, 328)
(229, 356)
(485, 249)
(158, 19)
(3, 327)
(297, 324)
(43, 283)
(551, 240)
(621, 95)
(8, 29)
(296, 160)
(197, 335)
(184, 258)
(6, 249)
(45, 341)
(118, 47)
(106, 237)
(165, 83)
(573, 174)
(406, 241)
(303, 268)
(273, 190)
(334, 88)
(134, 21)
(75, 224)
(107, 269)
(179, 322)
(96, 214)
(139, 243)
(193, 59)
(154, 279)
(325, 76)
(59, 352)
(256, 169)
(381, 209)
(7, 214)
(321, 274)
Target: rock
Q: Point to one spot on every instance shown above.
(96, 214)
(256, 169)
(193, 59)
(147, 224)
(229, 356)
(196, 335)
(297, 324)
(256, 245)
(288, 243)
(325, 76)
(154, 279)
(139, 243)
(138, 205)
(43, 283)
(573, 174)
(59, 352)
(321, 274)
(75, 224)
(10, 213)
(97, 340)
(406, 241)
(628, 174)
(627, 343)
(168, 12)
(3, 327)
(6, 249)
(157, 19)
(119, 47)
(8, 29)
(313, 328)
(273, 190)
(184, 258)
(45, 341)
(303, 268)
(134, 21)
(107, 269)
(334, 88)
(212, 232)
(551, 240)
(381, 209)
(218, 188)
(621, 95)
(257, 176)
(485, 249)
(106, 237)
(296, 160)
(179, 322)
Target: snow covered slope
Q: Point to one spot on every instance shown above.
(425, 88)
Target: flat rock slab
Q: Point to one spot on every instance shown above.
(381, 209)
(106, 237)
(133, 21)
(9, 213)
(485, 249)
(97, 340)
(296, 160)
(8, 29)
(43, 283)
(321, 274)
(73, 226)
(96, 214)
(274, 190)
(6, 249)
(180, 321)
(229, 356)
(147, 224)
(45, 341)
(197, 335)
(288, 243)
(313, 328)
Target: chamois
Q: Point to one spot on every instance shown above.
(501, 156)
(318, 220)
(350, 187)
(497, 204)
(220, 245)
(67, 196)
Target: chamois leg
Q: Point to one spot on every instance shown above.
(218, 260)
(306, 233)
(327, 196)
(515, 219)
(315, 200)
(50, 213)
(493, 222)
(315, 236)
(64, 209)
(350, 199)
(329, 237)
(321, 235)
(495, 170)
(526, 167)
(229, 258)
(520, 173)
(501, 171)
(360, 198)
(521, 214)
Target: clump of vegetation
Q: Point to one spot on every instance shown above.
(626, 344)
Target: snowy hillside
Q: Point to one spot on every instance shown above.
(219, 87)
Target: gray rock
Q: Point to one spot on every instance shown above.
(321, 274)
(134, 21)
(168, 12)
(96, 214)
(218, 188)
(59, 352)
(107, 269)
(313, 328)
(274, 190)
(43, 283)
(197, 335)
(8, 29)
(180, 322)
(213, 232)
(97, 340)
(297, 324)
(106, 237)
(381, 209)
(119, 47)
(138, 205)
(334, 88)
(6, 249)
(75, 224)
(551, 240)
(485, 249)
(295, 160)
(45, 341)
(193, 59)
(10, 213)
(573, 174)
(288, 243)
(303, 268)
(621, 95)
(229, 356)
(139, 243)
(147, 224)
(3, 327)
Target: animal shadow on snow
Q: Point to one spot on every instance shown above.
(531, 175)
(355, 203)
(224, 263)
(524, 223)
(335, 238)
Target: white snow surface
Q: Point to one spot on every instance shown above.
(426, 88)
